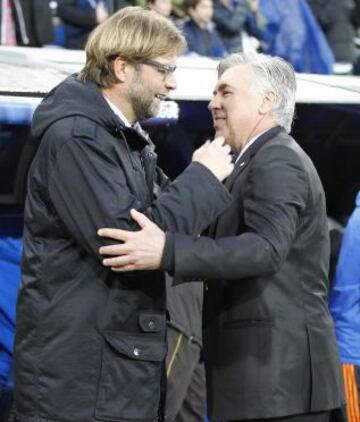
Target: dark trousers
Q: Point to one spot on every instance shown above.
(6, 404)
(186, 390)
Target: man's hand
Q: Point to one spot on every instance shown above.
(141, 250)
(216, 157)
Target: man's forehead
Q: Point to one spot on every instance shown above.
(167, 58)
(232, 77)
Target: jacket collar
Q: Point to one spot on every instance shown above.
(249, 153)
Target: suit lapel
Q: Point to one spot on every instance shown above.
(249, 153)
(242, 163)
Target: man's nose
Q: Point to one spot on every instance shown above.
(170, 81)
(214, 103)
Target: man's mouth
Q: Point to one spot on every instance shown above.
(161, 97)
(218, 119)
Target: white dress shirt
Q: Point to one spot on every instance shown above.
(118, 112)
(252, 140)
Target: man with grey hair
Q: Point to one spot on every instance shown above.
(269, 343)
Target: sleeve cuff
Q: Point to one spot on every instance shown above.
(168, 259)
(218, 187)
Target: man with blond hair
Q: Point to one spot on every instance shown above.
(90, 343)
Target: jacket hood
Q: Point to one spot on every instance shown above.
(73, 97)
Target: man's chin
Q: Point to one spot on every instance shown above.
(155, 109)
(147, 114)
(222, 134)
(219, 132)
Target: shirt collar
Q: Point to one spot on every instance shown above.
(118, 113)
(248, 145)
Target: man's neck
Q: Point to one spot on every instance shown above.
(262, 127)
(122, 106)
(255, 135)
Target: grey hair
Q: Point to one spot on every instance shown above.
(270, 74)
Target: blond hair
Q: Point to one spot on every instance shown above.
(133, 33)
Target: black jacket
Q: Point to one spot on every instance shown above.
(335, 18)
(79, 17)
(90, 343)
(269, 342)
(33, 22)
(230, 23)
(203, 41)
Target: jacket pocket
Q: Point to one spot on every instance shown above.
(131, 371)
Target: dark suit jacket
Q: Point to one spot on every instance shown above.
(269, 341)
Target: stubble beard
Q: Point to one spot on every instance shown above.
(143, 107)
(142, 99)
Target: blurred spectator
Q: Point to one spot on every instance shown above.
(293, 33)
(345, 309)
(10, 251)
(163, 7)
(335, 17)
(230, 19)
(119, 4)
(80, 17)
(356, 22)
(233, 17)
(199, 31)
(25, 23)
(356, 14)
(168, 8)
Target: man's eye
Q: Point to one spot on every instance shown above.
(227, 93)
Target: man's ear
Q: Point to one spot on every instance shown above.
(268, 101)
(121, 69)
